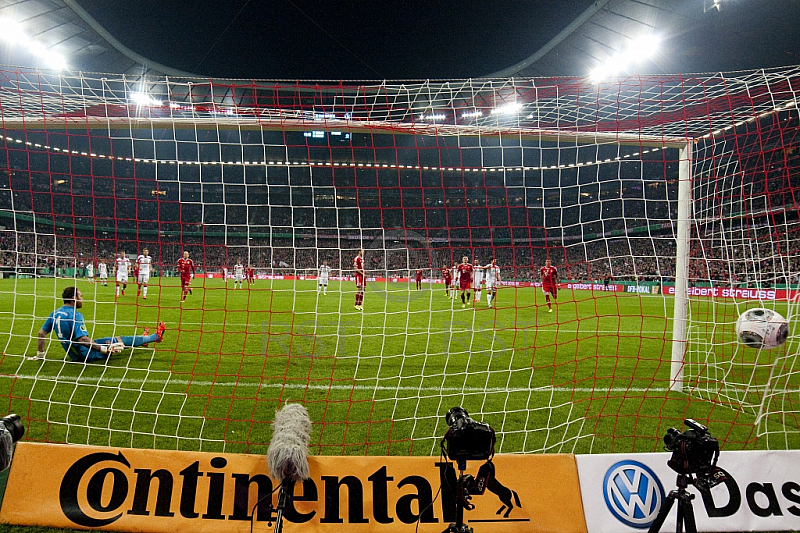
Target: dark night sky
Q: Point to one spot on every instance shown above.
(436, 39)
(367, 39)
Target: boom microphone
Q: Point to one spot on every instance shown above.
(287, 455)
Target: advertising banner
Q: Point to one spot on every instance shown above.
(624, 492)
(640, 288)
(590, 286)
(166, 491)
(738, 293)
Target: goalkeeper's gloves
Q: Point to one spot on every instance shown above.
(39, 355)
(114, 347)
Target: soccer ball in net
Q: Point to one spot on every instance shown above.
(762, 328)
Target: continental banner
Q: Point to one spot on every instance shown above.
(124, 489)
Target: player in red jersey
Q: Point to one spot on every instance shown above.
(186, 271)
(447, 276)
(549, 276)
(418, 277)
(361, 279)
(465, 280)
(251, 275)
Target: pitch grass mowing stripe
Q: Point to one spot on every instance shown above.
(376, 382)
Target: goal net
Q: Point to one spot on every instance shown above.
(667, 206)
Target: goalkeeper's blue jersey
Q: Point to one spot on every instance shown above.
(69, 326)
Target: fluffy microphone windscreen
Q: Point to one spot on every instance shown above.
(287, 455)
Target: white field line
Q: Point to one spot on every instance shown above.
(311, 386)
(355, 387)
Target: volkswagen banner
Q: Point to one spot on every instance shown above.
(624, 492)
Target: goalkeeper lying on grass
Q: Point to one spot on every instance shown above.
(70, 328)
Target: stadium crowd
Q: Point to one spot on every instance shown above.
(757, 259)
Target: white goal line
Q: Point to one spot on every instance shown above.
(304, 386)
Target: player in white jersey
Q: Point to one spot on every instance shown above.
(492, 274)
(477, 280)
(324, 274)
(90, 272)
(238, 274)
(123, 264)
(143, 272)
(102, 273)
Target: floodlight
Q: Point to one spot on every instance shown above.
(644, 47)
(143, 99)
(507, 109)
(56, 61)
(11, 31)
(638, 50)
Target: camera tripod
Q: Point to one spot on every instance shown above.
(685, 510)
(462, 501)
(466, 487)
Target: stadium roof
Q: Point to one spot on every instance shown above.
(312, 40)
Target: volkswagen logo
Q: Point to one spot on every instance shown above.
(633, 493)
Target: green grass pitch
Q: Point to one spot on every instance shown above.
(592, 376)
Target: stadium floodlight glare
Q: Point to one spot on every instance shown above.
(144, 99)
(433, 117)
(643, 48)
(635, 53)
(472, 114)
(507, 109)
(56, 61)
(13, 33)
